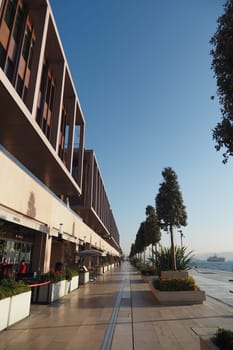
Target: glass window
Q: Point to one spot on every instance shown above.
(10, 13)
(75, 169)
(77, 136)
(67, 128)
(2, 56)
(52, 98)
(48, 90)
(31, 54)
(19, 86)
(18, 27)
(9, 69)
(38, 116)
(25, 93)
(27, 43)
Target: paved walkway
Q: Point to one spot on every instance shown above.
(117, 311)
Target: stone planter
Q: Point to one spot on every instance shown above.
(173, 274)
(5, 309)
(74, 283)
(84, 277)
(19, 307)
(207, 344)
(178, 297)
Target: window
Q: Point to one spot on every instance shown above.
(48, 90)
(2, 56)
(27, 43)
(31, 54)
(45, 101)
(18, 27)
(19, 86)
(10, 13)
(9, 69)
(75, 169)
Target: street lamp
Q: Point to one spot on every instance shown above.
(181, 237)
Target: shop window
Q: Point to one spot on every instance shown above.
(10, 13)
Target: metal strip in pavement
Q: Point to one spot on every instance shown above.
(107, 341)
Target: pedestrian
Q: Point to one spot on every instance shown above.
(22, 270)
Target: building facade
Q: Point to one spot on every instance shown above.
(52, 196)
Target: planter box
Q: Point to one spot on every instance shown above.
(207, 344)
(84, 277)
(178, 297)
(67, 287)
(19, 307)
(5, 309)
(49, 293)
(174, 274)
(148, 278)
(74, 283)
(57, 290)
(41, 294)
(100, 270)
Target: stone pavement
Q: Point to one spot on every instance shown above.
(118, 311)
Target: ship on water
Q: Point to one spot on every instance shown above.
(216, 258)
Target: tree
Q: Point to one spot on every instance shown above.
(132, 251)
(169, 206)
(140, 242)
(222, 65)
(151, 228)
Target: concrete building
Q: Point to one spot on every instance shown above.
(52, 197)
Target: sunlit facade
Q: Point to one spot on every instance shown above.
(52, 197)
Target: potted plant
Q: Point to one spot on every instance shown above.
(221, 340)
(55, 290)
(15, 301)
(72, 275)
(177, 291)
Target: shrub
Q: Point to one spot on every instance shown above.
(70, 272)
(54, 276)
(175, 284)
(148, 270)
(9, 287)
(223, 338)
(163, 259)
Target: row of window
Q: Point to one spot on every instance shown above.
(17, 46)
(17, 43)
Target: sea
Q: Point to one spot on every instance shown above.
(213, 265)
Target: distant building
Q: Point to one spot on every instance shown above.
(52, 197)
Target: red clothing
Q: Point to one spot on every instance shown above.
(23, 268)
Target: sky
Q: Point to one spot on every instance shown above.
(142, 71)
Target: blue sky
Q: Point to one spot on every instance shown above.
(142, 73)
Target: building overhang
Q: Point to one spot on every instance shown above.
(93, 221)
(21, 136)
